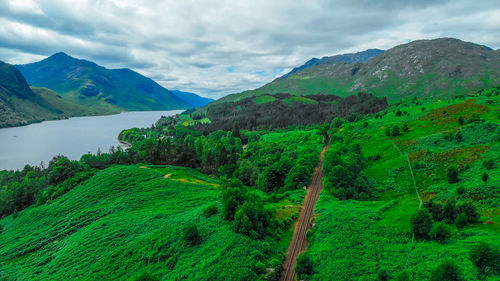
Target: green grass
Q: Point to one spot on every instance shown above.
(303, 100)
(264, 99)
(352, 240)
(124, 221)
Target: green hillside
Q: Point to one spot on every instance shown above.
(355, 240)
(126, 221)
(442, 67)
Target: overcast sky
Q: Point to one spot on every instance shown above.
(216, 48)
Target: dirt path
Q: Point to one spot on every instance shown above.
(299, 241)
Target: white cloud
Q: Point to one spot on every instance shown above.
(220, 47)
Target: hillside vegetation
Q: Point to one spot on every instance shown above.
(410, 192)
(445, 153)
(283, 110)
(126, 222)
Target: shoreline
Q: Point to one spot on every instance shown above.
(79, 116)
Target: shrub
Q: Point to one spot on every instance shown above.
(460, 190)
(446, 271)
(461, 220)
(440, 232)
(388, 131)
(436, 209)
(489, 164)
(192, 235)
(485, 177)
(304, 266)
(405, 127)
(383, 275)
(449, 210)
(145, 276)
(469, 210)
(485, 258)
(403, 276)
(421, 223)
(396, 131)
(452, 174)
(210, 210)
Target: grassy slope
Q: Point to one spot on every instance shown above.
(121, 222)
(377, 232)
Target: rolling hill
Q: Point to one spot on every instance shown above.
(443, 67)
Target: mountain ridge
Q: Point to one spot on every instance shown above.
(443, 67)
(85, 82)
(362, 56)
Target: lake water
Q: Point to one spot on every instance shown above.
(72, 137)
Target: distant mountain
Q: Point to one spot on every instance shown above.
(20, 105)
(363, 56)
(85, 83)
(443, 67)
(191, 98)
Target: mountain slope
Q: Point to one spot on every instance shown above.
(442, 67)
(191, 98)
(20, 105)
(86, 83)
(126, 221)
(363, 56)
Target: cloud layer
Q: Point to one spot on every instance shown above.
(216, 48)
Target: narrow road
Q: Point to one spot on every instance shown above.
(299, 241)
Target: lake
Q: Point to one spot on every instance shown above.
(71, 137)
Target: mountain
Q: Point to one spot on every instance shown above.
(191, 98)
(20, 104)
(443, 67)
(86, 83)
(363, 56)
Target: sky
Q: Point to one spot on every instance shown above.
(215, 48)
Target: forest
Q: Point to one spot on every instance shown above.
(283, 110)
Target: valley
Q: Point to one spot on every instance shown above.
(377, 165)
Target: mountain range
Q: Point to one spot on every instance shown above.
(443, 67)
(64, 86)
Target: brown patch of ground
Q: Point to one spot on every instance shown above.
(460, 156)
(450, 114)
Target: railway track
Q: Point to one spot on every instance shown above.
(299, 241)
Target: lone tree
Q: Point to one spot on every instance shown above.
(446, 271)
(452, 174)
(192, 235)
(485, 258)
(421, 223)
